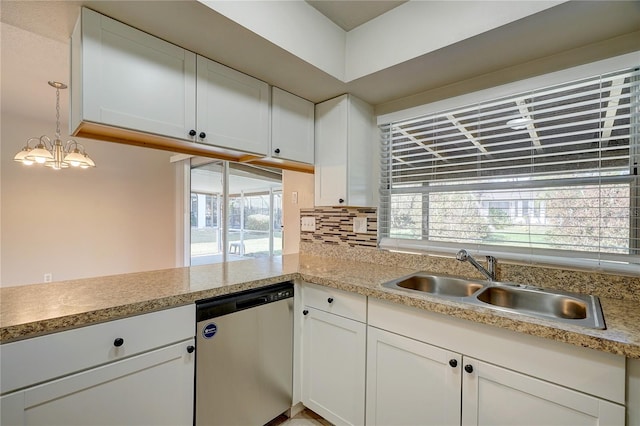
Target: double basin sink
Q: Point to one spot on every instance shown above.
(571, 308)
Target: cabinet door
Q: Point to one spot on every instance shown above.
(410, 382)
(155, 388)
(45, 358)
(333, 367)
(233, 108)
(494, 396)
(331, 152)
(133, 80)
(291, 127)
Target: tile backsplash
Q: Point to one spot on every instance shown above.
(334, 236)
(335, 225)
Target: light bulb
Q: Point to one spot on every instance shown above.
(75, 158)
(40, 160)
(27, 162)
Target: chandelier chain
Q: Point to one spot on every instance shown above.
(57, 113)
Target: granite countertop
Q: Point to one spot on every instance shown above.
(29, 311)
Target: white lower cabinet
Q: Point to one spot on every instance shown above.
(152, 388)
(133, 371)
(413, 383)
(410, 382)
(334, 354)
(444, 382)
(496, 396)
(333, 357)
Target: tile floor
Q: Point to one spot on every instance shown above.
(304, 418)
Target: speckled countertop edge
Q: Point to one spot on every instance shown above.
(181, 286)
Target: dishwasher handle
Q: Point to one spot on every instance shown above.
(250, 303)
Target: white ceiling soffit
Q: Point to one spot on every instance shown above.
(349, 14)
(302, 51)
(408, 31)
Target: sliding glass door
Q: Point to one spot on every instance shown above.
(251, 225)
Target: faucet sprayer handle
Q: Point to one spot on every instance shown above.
(462, 255)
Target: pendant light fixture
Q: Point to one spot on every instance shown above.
(53, 153)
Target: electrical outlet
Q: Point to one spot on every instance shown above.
(308, 224)
(48, 277)
(294, 197)
(359, 225)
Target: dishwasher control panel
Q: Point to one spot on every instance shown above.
(234, 302)
(282, 294)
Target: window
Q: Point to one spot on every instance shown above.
(253, 218)
(547, 172)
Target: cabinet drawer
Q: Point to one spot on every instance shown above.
(349, 305)
(35, 360)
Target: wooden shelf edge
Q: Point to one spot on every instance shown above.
(106, 133)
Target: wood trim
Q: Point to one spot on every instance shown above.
(106, 133)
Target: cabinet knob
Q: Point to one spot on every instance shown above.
(453, 363)
(305, 312)
(277, 150)
(191, 348)
(468, 368)
(118, 342)
(202, 135)
(192, 132)
(341, 200)
(330, 300)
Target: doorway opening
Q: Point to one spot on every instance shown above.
(236, 211)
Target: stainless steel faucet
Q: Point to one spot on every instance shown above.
(464, 256)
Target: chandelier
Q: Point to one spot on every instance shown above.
(53, 153)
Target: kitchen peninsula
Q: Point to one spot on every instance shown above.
(164, 300)
(29, 311)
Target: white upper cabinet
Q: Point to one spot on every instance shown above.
(131, 87)
(126, 78)
(292, 133)
(344, 135)
(233, 108)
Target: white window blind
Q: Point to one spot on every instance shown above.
(552, 172)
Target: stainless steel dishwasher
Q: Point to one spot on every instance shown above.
(244, 357)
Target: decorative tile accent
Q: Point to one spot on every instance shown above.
(334, 225)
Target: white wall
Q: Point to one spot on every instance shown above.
(116, 218)
(119, 217)
(303, 184)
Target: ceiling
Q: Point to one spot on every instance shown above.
(349, 14)
(566, 35)
(55, 19)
